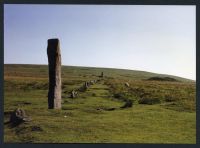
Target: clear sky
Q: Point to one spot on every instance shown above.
(158, 39)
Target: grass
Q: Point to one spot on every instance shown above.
(88, 118)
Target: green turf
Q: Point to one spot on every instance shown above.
(87, 119)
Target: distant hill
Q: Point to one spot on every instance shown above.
(108, 72)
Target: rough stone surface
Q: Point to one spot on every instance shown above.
(86, 85)
(129, 103)
(18, 116)
(101, 75)
(92, 82)
(74, 94)
(54, 59)
(127, 84)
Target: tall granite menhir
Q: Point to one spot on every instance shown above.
(54, 59)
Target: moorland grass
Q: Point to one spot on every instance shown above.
(88, 118)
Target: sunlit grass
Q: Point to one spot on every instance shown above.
(86, 118)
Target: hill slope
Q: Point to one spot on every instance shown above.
(161, 111)
(88, 71)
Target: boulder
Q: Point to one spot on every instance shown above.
(86, 84)
(18, 116)
(74, 94)
(129, 103)
(127, 84)
(92, 82)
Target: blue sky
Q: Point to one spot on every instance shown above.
(158, 39)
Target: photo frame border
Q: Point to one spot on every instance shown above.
(99, 2)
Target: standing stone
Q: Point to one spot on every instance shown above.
(127, 84)
(74, 94)
(54, 59)
(101, 75)
(86, 85)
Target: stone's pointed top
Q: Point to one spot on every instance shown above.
(53, 40)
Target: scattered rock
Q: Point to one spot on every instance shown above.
(100, 109)
(127, 84)
(84, 87)
(74, 94)
(129, 103)
(18, 116)
(92, 82)
(86, 84)
(36, 128)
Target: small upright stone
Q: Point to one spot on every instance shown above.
(18, 116)
(92, 82)
(86, 85)
(74, 94)
(101, 75)
(54, 59)
(127, 84)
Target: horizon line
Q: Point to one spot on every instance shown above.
(104, 68)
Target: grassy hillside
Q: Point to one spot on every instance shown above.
(161, 111)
